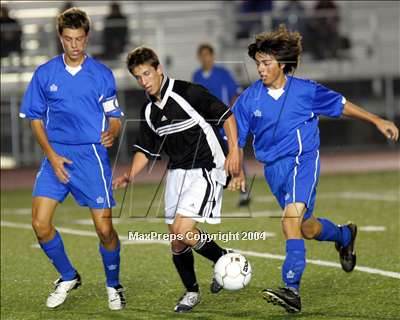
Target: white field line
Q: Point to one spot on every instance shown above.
(372, 228)
(392, 196)
(390, 274)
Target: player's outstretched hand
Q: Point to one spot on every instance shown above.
(238, 182)
(107, 139)
(232, 162)
(120, 182)
(388, 129)
(57, 162)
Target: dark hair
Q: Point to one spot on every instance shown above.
(142, 55)
(205, 46)
(284, 45)
(73, 18)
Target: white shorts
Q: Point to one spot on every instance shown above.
(194, 193)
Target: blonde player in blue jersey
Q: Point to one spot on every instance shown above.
(281, 112)
(72, 105)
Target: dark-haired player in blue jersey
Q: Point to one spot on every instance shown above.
(72, 104)
(281, 112)
(220, 82)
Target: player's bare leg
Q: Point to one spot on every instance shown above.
(50, 241)
(110, 252)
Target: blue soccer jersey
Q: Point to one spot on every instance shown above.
(73, 107)
(284, 122)
(219, 82)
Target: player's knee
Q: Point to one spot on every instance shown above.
(181, 230)
(42, 229)
(291, 223)
(308, 230)
(177, 246)
(106, 233)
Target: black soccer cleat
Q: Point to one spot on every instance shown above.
(284, 297)
(347, 254)
(244, 199)
(215, 287)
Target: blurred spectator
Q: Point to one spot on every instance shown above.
(220, 82)
(293, 15)
(67, 5)
(11, 34)
(217, 79)
(325, 29)
(115, 32)
(250, 17)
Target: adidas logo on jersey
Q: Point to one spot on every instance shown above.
(53, 88)
(164, 118)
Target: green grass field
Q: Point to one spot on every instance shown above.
(152, 285)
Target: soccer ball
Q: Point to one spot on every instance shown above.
(232, 271)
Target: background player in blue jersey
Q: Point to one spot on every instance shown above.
(218, 80)
(221, 83)
(72, 104)
(281, 112)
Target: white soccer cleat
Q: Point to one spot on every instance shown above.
(187, 302)
(116, 297)
(62, 289)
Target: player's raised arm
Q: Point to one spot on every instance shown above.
(387, 128)
(57, 162)
(138, 163)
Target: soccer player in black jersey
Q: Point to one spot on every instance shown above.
(182, 119)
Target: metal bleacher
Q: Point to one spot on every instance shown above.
(175, 28)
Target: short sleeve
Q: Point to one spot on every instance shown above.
(327, 102)
(210, 107)
(147, 142)
(239, 109)
(34, 103)
(109, 101)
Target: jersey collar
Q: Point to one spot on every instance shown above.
(166, 90)
(73, 70)
(277, 93)
(164, 86)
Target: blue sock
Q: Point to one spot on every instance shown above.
(332, 232)
(294, 264)
(54, 250)
(111, 260)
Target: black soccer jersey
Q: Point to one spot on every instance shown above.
(184, 125)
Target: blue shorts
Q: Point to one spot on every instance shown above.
(90, 176)
(295, 180)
